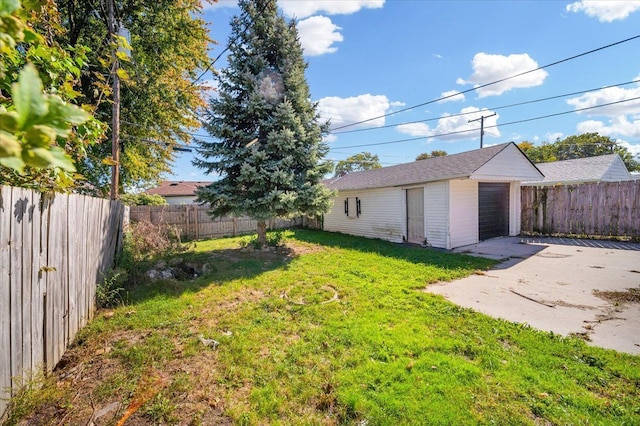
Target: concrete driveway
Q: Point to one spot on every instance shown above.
(583, 287)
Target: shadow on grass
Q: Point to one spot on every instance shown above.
(216, 267)
(225, 265)
(417, 255)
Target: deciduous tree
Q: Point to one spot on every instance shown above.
(578, 146)
(434, 153)
(269, 153)
(357, 162)
(159, 101)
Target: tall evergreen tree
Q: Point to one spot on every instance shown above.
(270, 151)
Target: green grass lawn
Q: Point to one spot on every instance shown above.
(384, 353)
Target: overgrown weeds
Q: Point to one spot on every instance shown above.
(109, 292)
(145, 241)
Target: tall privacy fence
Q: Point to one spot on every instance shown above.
(607, 209)
(193, 221)
(53, 250)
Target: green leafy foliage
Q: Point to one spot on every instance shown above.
(42, 132)
(578, 146)
(434, 153)
(34, 124)
(270, 153)
(143, 199)
(357, 162)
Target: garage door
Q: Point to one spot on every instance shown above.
(493, 208)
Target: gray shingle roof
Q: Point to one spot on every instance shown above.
(577, 170)
(429, 170)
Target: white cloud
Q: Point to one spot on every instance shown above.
(623, 118)
(415, 129)
(488, 68)
(343, 111)
(317, 35)
(303, 8)
(609, 95)
(329, 138)
(458, 127)
(617, 126)
(552, 137)
(451, 96)
(633, 148)
(605, 10)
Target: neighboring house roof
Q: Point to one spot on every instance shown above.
(602, 168)
(170, 188)
(462, 165)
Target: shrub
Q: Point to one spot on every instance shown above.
(145, 241)
(143, 200)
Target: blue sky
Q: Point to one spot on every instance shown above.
(369, 58)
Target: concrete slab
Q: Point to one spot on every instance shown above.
(553, 287)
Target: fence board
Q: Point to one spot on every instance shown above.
(193, 221)
(53, 250)
(37, 289)
(15, 278)
(606, 209)
(5, 294)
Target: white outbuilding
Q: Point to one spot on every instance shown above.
(445, 202)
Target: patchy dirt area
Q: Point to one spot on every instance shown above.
(631, 295)
(570, 289)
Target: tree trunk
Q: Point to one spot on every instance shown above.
(262, 233)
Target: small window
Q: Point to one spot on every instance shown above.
(352, 207)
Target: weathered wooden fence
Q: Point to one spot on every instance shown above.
(594, 209)
(194, 222)
(53, 250)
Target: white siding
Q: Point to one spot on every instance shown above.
(515, 207)
(618, 171)
(181, 199)
(382, 214)
(463, 206)
(436, 212)
(509, 165)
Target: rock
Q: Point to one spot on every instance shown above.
(175, 261)
(213, 344)
(160, 274)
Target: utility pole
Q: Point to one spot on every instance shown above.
(115, 122)
(481, 119)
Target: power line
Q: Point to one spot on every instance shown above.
(564, 95)
(491, 83)
(489, 127)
